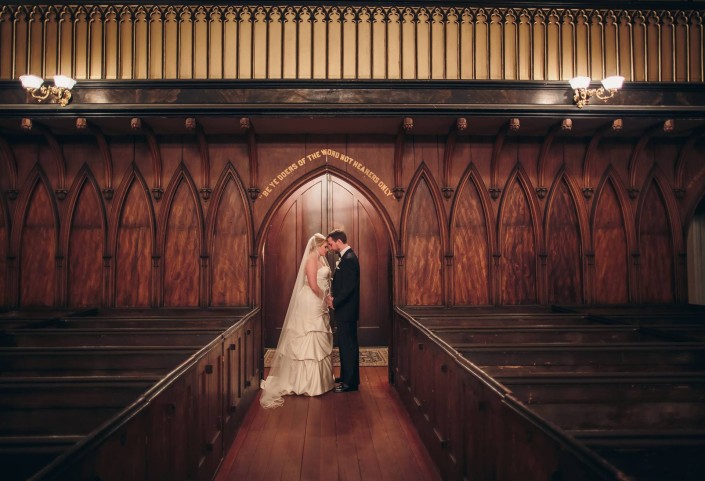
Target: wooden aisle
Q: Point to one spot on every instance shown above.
(359, 436)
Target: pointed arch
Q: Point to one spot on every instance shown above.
(180, 242)
(229, 238)
(472, 238)
(424, 251)
(394, 244)
(132, 242)
(565, 234)
(518, 239)
(659, 239)
(613, 241)
(84, 240)
(35, 239)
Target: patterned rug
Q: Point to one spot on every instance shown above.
(369, 357)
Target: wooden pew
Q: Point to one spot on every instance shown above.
(22, 456)
(650, 456)
(580, 372)
(660, 417)
(42, 417)
(91, 361)
(176, 430)
(544, 335)
(497, 359)
(109, 336)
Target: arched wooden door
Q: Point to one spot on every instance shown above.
(321, 205)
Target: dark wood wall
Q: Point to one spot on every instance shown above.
(155, 220)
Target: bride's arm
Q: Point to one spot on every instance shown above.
(311, 270)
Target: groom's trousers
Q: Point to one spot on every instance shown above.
(349, 353)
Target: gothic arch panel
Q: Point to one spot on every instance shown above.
(181, 240)
(230, 246)
(563, 246)
(611, 248)
(656, 277)
(86, 241)
(37, 247)
(471, 245)
(134, 244)
(424, 248)
(517, 241)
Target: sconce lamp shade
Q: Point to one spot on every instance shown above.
(579, 82)
(64, 82)
(613, 82)
(31, 81)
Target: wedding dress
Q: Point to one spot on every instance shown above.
(302, 362)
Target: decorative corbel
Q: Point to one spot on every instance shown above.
(193, 125)
(565, 125)
(246, 125)
(460, 125)
(11, 162)
(137, 124)
(83, 124)
(57, 152)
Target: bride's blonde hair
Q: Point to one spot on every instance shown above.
(318, 241)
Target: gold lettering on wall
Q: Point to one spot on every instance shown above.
(326, 155)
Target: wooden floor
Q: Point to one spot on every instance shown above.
(365, 436)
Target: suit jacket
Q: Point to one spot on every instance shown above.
(346, 288)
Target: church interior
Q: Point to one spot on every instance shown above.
(523, 183)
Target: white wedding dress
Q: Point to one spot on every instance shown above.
(302, 362)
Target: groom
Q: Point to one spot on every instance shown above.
(345, 301)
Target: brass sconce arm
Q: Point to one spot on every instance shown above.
(59, 93)
(582, 93)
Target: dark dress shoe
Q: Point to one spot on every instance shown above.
(338, 379)
(344, 388)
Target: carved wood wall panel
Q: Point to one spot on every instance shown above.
(230, 249)
(517, 240)
(135, 244)
(655, 240)
(424, 249)
(86, 245)
(563, 253)
(37, 245)
(611, 249)
(467, 248)
(183, 40)
(472, 245)
(182, 239)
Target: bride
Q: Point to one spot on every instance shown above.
(302, 362)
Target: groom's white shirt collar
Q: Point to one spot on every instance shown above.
(342, 253)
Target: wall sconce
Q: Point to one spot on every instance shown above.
(582, 95)
(60, 92)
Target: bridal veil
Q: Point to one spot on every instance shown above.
(302, 361)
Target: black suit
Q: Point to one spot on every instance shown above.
(346, 303)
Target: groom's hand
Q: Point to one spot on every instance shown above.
(329, 301)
